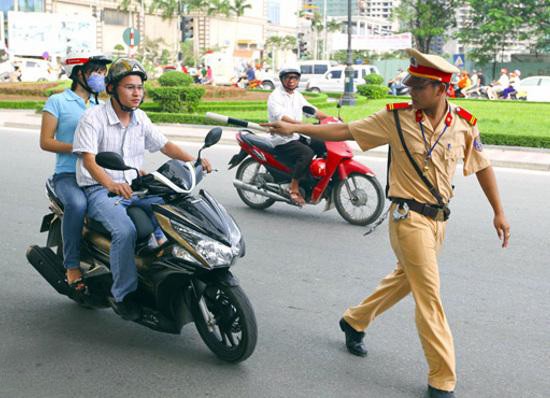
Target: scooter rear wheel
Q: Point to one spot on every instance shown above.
(229, 329)
(252, 172)
(359, 199)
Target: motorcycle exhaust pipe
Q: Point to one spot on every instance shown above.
(264, 192)
(44, 260)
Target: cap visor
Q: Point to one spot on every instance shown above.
(415, 81)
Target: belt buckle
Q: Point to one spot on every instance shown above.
(401, 211)
(440, 216)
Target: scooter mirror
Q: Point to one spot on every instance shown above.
(308, 111)
(212, 137)
(111, 161)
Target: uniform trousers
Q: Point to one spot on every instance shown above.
(416, 242)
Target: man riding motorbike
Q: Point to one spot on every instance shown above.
(285, 104)
(120, 126)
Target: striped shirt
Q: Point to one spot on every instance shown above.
(100, 130)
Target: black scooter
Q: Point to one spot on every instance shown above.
(187, 279)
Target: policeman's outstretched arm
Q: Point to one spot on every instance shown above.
(324, 132)
(488, 183)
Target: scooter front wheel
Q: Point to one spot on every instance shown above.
(359, 199)
(226, 322)
(252, 172)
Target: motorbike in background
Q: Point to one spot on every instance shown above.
(187, 279)
(262, 179)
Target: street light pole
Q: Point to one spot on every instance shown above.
(349, 98)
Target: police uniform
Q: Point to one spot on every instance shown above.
(417, 238)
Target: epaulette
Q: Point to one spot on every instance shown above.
(398, 105)
(464, 114)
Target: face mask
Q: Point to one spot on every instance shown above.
(96, 82)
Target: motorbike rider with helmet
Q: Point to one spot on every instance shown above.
(285, 104)
(120, 126)
(60, 117)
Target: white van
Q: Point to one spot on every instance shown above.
(312, 69)
(333, 79)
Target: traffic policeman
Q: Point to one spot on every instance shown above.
(427, 139)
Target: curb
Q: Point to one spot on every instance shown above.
(380, 153)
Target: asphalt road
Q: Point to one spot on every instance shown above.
(302, 269)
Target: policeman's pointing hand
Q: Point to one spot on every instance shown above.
(282, 128)
(503, 229)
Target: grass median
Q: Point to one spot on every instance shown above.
(511, 123)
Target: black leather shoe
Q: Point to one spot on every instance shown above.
(437, 393)
(128, 309)
(354, 339)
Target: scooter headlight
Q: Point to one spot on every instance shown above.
(214, 253)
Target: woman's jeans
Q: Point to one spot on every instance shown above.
(75, 205)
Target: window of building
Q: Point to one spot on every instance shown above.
(22, 5)
(115, 17)
(274, 11)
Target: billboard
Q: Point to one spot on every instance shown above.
(372, 42)
(36, 33)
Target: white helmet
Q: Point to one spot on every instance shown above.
(288, 69)
(81, 58)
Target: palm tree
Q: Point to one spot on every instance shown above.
(239, 7)
(219, 7)
(275, 43)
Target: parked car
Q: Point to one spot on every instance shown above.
(333, 79)
(309, 69)
(312, 69)
(535, 88)
(35, 70)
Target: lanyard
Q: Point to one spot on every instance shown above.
(429, 149)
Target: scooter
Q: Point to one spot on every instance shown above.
(186, 279)
(262, 179)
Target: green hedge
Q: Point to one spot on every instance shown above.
(515, 140)
(177, 99)
(372, 91)
(22, 104)
(374, 78)
(175, 79)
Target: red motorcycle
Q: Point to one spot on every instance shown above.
(262, 179)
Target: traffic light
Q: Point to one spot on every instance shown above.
(302, 45)
(186, 28)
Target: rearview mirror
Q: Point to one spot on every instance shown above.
(309, 111)
(213, 137)
(111, 161)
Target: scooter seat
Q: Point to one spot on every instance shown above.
(260, 142)
(144, 225)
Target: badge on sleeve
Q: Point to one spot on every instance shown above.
(478, 146)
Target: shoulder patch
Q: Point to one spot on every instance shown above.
(464, 114)
(398, 105)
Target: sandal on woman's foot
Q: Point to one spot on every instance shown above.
(296, 198)
(77, 284)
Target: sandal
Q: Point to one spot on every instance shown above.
(296, 198)
(77, 285)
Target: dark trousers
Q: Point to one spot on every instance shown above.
(298, 155)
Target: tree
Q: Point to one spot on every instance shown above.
(427, 19)
(239, 7)
(219, 7)
(497, 23)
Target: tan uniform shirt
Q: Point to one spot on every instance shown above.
(460, 141)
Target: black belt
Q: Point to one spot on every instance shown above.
(436, 212)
